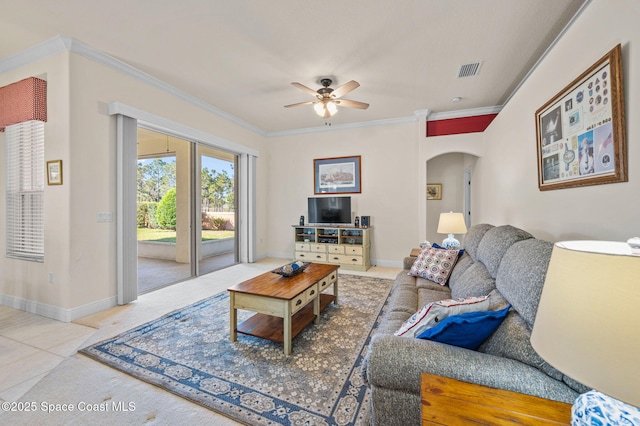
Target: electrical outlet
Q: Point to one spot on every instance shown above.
(50, 277)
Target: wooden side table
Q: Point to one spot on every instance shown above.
(452, 402)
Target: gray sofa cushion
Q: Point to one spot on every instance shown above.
(403, 299)
(430, 285)
(473, 237)
(512, 339)
(522, 274)
(407, 262)
(404, 280)
(495, 243)
(474, 281)
(463, 263)
(393, 320)
(426, 296)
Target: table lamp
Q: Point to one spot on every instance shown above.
(451, 223)
(588, 323)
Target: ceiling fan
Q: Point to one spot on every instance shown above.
(328, 98)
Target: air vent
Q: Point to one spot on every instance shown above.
(469, 70)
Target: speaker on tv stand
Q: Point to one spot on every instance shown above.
(365, 221)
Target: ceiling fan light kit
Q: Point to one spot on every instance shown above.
(327, 104)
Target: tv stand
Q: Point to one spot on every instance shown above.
(347, 246)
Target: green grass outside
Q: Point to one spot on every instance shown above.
(168, 236)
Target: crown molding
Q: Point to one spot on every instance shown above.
(464, 113)
(35, 53)
(61, 44)
(346, 126)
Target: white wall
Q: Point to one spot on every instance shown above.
(79, 251)
(24, 283)
(447, 170)
(431, 149)
(505, 178)
(390, 169)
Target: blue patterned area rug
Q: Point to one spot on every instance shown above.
(188, 352)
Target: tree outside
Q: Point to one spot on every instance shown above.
(157, 200)
(166, 210)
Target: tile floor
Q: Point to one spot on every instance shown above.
(31, 345)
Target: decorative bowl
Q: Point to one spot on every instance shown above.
(291, 269)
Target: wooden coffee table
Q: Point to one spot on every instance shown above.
(284, 306)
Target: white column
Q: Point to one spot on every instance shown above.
(421, 138)
(126, 223)
(183, 198)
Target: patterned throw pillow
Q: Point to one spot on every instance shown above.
(432, 313)
(460, 252)
(434, 264)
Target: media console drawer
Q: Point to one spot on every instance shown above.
(346, 260)
(353, 250)
(347, 246)
(302, 246)
(333, 249)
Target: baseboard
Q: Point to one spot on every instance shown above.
(387, 263)
(55, 312)
(374, 262)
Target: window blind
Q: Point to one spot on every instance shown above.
(25, 190)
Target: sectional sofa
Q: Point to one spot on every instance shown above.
(507, 264)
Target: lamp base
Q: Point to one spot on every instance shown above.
(450, 243)
(595, 408)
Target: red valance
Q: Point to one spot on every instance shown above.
(23, 101)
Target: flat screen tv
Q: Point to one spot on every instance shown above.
(329, 210)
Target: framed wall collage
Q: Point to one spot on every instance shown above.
(580, 132)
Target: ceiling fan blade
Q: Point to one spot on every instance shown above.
(300, 104)
(344, 89)
(306, 89)
(352, 104)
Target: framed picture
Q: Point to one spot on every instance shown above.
(580, 132)
(337, 175)
(54, 172)
(434, 191)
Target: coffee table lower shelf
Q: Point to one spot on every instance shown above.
(271, 328)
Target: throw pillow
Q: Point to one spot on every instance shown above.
(432, 313)
(460, 252)
(434, 264)
(467, 330)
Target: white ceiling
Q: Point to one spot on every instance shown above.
(240, 56)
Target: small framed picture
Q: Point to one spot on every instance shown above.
(434, 191)
(54, 172)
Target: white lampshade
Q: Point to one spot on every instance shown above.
(588, 320)
(451, 223)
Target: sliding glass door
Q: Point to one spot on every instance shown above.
(217, 241)
(185, 210)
